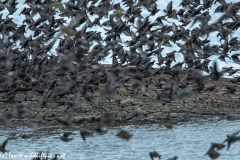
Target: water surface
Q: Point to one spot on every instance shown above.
(188, 141)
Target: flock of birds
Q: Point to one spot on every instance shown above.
(26, 65)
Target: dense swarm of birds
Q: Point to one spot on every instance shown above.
(26, 63)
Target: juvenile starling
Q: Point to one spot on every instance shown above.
(85, 133)
(65, 137)
(154, 154)
(124, 134)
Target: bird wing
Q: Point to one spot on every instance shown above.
(4, 144)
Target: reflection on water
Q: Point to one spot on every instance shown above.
(188, 141)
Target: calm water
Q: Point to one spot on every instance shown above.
(189, 141)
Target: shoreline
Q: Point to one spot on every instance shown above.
(19, 124)
(201, 104)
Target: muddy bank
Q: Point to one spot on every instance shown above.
(201, 104)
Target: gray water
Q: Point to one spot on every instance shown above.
(188, 141)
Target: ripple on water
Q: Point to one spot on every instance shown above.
(188, 141)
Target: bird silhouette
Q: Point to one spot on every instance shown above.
(65, 137)
(154, 154)
(124, 135)
(3, 146)
(85, 133)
